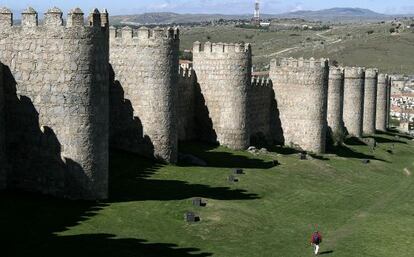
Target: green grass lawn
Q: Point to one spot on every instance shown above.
(361, 209)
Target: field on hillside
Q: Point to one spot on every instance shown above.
(361, 209)
(369, 45)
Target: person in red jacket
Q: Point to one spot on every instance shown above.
(315, 241)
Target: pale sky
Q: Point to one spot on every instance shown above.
(210, 6)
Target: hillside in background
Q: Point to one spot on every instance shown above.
(332, 15)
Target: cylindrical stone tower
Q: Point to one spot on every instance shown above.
(370, 101)
(145, 64)
(336, 103)
(354, 100)
(57, 103)
(301, 91)
(381, 114)
(224, 74)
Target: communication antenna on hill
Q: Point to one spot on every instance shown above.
(256, 16)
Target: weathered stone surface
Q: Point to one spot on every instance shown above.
(370, 101)
(335, 101)
(382, 94)
(144, 91)
(224, 73)
(186, 105)
(354, 100)
(388, 109)
(263, 114)
(56, 90)
(301, 88)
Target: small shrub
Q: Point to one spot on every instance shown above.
(369, 32)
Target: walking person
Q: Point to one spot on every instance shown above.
(316, 240)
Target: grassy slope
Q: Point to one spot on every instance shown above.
(362, 210)
(390, 53)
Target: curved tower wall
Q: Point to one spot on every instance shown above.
(143, 112)
(370, 101)
(224, 74)
(56, 88)
(354, 100)
(336, 101)
(301, 90)
(381, 113)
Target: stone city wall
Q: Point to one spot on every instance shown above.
(354, 100)
(223, 74)
(186, 104)
(388, 109)
(381, 113)
(370, 101)
(143, 105)
(56, 89)
(262, 112)
(301, 88)
(335, 103)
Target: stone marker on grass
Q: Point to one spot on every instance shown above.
(191, 217)
(232, 178)
(238, 171)
(198, 201)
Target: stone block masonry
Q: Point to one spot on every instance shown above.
(224, 76)
(56, 102)
(354, 100)
(186, 103)
(335, 103)
(144, 91)
(263, 113)
(370, 101)
(382, 101)
(388, 109)
(301, 88)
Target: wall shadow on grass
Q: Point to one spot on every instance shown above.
(346, 152)
(30, 223)
(394, 132)
(129, 181)
(221, 158)
(385, 140)
(354, 141)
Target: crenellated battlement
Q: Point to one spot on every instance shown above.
(382, 78)
(228, 48)
(186, 72)
(143, 35)
(261, 82)
(354, 72)
(300, 63)
(53, 18)
(371, 73)
(336, 71)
